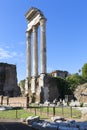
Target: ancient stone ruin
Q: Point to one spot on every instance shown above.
(81, 93)
(39, 87)
(8, 80)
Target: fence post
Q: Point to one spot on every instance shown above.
(40, 110)
(71, 111)
(27, 102)
(35, 111)
(53, 110)
(47, 110)
(62, 110)
(1, 100)
(16, 114)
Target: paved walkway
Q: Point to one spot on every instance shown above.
(14, 126)
(8, 124)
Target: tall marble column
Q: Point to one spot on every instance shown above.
(35, 51)
(28, 61)
(43, 45)
(28, 54)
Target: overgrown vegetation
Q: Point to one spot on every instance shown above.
(68, 85)
(77, 79)
(84, 71)
(74, 80)
(63, 87)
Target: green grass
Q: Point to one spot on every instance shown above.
(13, 114)
(66, 112)
(42, 112)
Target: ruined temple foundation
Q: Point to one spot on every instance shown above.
(43, 88)
(37, 86)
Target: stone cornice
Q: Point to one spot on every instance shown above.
(32, 13)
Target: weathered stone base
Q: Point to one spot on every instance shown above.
(43, 88)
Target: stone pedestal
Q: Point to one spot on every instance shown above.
(43, 88)
(26, 86)
(33, 84)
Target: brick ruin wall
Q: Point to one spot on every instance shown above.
(15, 101)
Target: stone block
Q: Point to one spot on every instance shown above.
(32, 119)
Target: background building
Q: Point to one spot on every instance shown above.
(59, 73)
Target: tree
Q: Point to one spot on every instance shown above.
(84, 71)
(74, 80)
(79, 71)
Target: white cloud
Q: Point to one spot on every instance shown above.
(4, 54)
(8, 54)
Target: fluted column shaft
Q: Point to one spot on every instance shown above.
(28, 54)
(35, 51)
(43, 45)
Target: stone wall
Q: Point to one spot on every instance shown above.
(19, 101)
(15, 101)
(45, 89)
(52, 87)
(8, 80)
(81, 93)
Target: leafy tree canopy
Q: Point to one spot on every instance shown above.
(84, 71)
(74, 80)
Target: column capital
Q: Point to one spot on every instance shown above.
(43, 21)
(28, 34)
(34, 28)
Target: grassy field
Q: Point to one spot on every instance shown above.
(42, 112)
(14, 114)
(65, 112)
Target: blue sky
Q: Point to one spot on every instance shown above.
(66, 33)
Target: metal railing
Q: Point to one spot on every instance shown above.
(48, 111)
(42, 111)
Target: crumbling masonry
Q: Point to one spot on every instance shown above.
(8, 80)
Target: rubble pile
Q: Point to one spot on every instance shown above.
(58, 123)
